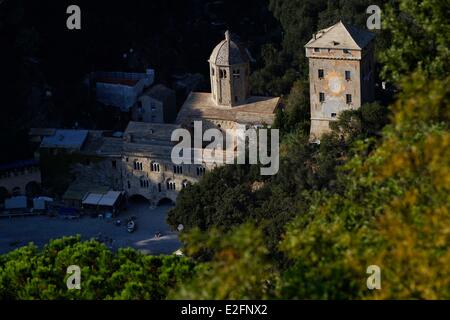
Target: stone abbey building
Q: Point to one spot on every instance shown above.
(229, 103)
(139, 162)
(341, 77)
(341, 63)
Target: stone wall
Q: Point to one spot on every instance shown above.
(157, 179)
(230, 84)
(148, 110)
(18, 180)
(106, 172)
(335, 87)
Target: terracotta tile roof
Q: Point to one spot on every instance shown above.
(341, 36)
(199, 105)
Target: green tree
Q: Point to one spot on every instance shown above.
(240, 268)
(357, 200)
(297, 108)
(419, 39)
(30, 273)
(393, 212)
(223, 198)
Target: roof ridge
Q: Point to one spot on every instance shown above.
(346, 28)
(341, 34)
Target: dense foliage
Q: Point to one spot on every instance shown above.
(366, 196)
(374, 192)
(284, 62)
(30, 273)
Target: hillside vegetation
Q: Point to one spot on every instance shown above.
(374, 192)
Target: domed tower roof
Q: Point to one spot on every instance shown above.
(228, 52)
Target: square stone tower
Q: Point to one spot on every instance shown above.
(341, 73)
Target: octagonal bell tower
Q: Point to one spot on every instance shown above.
(229, 72)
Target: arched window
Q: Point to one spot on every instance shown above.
(144, 183)
(32, 189)
(201, 171)
(171, 185)
(138, 165)
(178, 169)
(154, 166)
(185, 184)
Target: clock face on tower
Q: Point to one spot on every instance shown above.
(335, 84)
